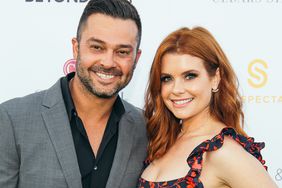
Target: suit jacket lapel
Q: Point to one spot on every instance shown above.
(58, 127)
(124, 146)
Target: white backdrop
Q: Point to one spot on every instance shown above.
(36, 43)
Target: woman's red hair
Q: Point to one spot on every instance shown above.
(225, 106)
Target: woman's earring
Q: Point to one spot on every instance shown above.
(214, 90)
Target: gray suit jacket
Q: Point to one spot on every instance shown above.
(37, 149)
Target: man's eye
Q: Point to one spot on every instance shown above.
(165, 78)
(95, 47)
(123, 52)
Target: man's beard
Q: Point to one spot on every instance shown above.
(88, 83)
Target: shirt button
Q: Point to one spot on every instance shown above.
(95, 167)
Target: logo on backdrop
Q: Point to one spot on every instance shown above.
(257, 80)
(278, 176)
(57, 1)
(257, 71)
(69, 66)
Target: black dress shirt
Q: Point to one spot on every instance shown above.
(94, 170)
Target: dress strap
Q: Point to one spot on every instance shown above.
(195, 159)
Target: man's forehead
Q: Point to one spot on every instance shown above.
(110, 30)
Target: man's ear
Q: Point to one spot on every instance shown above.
(75, 47)
(138, 54)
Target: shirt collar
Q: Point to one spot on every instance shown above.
(67, 94)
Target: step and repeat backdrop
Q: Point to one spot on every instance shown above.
(35, 51)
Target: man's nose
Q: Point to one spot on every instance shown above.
(108, 60)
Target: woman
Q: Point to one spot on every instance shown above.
(195, 119)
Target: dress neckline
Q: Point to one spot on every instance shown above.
(195, 158)
(187, 160)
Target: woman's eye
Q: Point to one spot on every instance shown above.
(165, 78)
(191, 76)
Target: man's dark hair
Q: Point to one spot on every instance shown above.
(122, 9)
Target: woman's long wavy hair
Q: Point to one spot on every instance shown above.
(225, 105)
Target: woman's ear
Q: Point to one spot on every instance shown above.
(216, 80)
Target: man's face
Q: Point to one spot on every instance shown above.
(106, 54)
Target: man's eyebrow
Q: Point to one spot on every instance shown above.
(125, 46)
(92, 39)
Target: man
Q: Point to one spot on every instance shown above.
(80, 133)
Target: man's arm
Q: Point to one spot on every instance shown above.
(9, 159)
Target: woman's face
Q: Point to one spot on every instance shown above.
(185, 85)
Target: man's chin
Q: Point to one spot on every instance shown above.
(105, 94)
